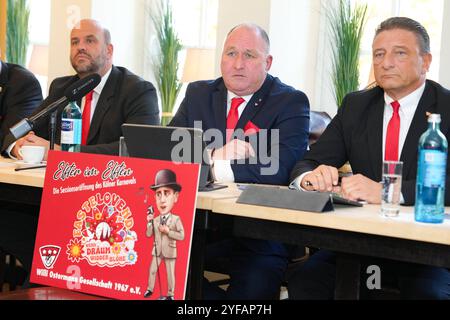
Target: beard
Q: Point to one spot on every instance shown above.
(93, 66)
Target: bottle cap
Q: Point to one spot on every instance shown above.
(434, 117)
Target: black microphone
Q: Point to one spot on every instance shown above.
(73, 93)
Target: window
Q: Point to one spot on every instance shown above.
(39, 24)
(196, 22)
(39, 37)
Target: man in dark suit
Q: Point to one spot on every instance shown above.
(121, 97)
(269, 115)
(360, 134)
(20, 94)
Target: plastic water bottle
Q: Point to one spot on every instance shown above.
(71, 128)
(431, 173)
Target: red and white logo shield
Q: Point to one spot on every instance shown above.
(49, 255)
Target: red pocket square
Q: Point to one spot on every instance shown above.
(250, 129)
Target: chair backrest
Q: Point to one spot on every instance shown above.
(318, 122)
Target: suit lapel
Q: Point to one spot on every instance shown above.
(418, 126)
(375, 134)
(219, 106)
(104, 103)
(255, 104)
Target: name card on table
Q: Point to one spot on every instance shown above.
(283, 198)
(96, 233)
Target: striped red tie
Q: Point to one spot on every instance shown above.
(86, 119)
(393, 133)
(233, 116)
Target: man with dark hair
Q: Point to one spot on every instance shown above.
(407, 24)
(363, 134)
(247, 99)
(121, 97)
(20, 95)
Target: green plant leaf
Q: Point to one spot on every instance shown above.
(346, 27)
(18, 15)
(165, 63)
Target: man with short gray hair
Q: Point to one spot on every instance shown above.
(248, 100)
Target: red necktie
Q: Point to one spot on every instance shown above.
(393, 133)
(86, 122)
(233, 116)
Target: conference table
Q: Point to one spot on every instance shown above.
(350, 231)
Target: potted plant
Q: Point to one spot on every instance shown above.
(18, 15)
(165, 63)
(346, 23)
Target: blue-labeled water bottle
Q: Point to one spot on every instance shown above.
(71, 128)
(431, 173)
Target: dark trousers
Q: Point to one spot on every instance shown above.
(315, 280)
(18, 226)
(253, 275)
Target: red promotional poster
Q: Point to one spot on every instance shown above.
(116, 227)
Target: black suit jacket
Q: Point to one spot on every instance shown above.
(125, 98)
(356, 135)
(20, 95)
(274, 106)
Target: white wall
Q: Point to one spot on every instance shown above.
(234, 12)
(126, 21)
(296, 40)
(444, 74)
(295, 30)
(63, 14)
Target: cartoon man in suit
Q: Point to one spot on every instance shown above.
(167, 229)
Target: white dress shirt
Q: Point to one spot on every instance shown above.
(96, 96)
(408, 106)
(222, 168)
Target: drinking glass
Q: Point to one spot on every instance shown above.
(392, 188)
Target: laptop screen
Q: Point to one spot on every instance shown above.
(181, 145)
(184, 145)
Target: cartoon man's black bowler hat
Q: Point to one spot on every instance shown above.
(166, 178)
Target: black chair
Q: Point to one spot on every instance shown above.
(318, 122)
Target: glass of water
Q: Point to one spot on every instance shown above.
(392, 188)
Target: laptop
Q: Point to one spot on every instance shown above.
(183, 145)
